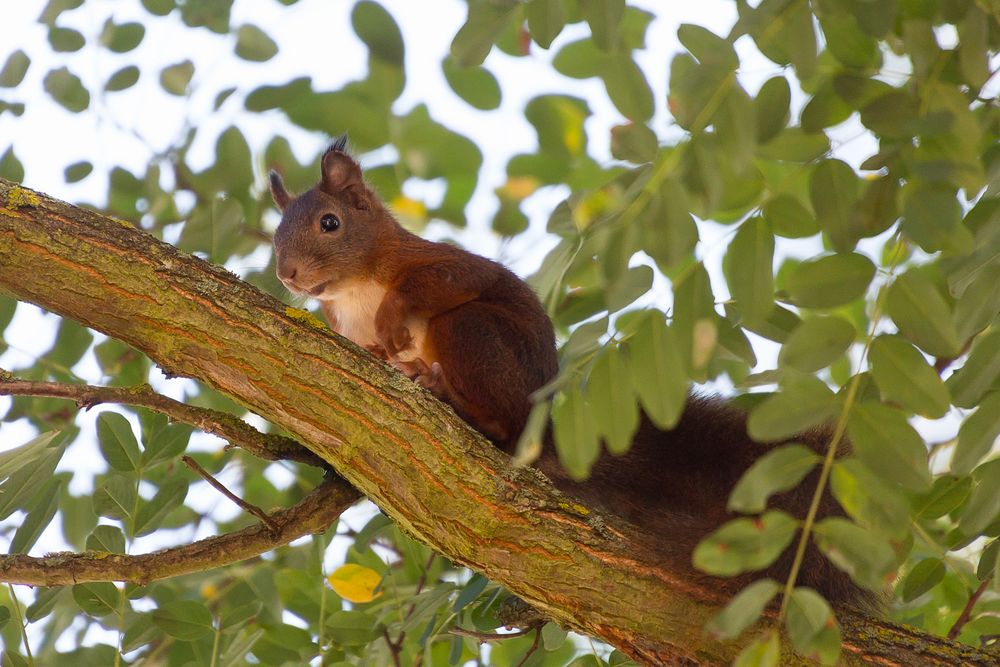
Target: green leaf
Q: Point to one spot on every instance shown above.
(904, 377)
(175, 78)
(476, 585)
(67, 89)
(947, 494)
(779, 470)
(352, 628)
(743, 610)
(830, 281)
(789, 218)
(123, 37)
(817, 343)
(10, 167)
(868, 500)
(65, 40)
(977, 434)
(847, 42)
(812, 627)
(116, 497)
(932, 216)
(97, 598)
(984, 501)
(253, 44)
(40, 510)
(922, 314)
(476, 85)
(748, 268)
(765, 651)
(168, 443)
(139, 631)
(710, 49)
(794, 145)
(867, 557)
(660, 380)
(553, 636)
(545, 20)
(979, 373)
(186, 620)
(805, 401)
(604, 18)
(924, 576)
(887, 444)
(668, 231)
(14, 69)
(159, 7)
(378, 30)
(576, 436)
(109, 539)
(979, 303)
(745, 545)
(118, 443)
(772, 105)
(627, 87)
(77, 171)
(833, 189)
(634, 142)
(485, 22)
(31, 452)
(609, 394)
(152, 512)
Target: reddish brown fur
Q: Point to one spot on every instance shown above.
(489, 344)
(484, 325)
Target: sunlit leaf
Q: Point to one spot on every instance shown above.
(744, 545)
(355, 583)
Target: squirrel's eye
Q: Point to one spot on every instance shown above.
(329, 223)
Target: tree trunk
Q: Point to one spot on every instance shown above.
(438, 479)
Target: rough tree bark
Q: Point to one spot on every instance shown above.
(437, 478)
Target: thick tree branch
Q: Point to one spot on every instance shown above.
(237, 432)
(438, 479)
(313, 514)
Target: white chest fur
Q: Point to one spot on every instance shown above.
(353, 305)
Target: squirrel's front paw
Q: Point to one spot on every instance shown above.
(396, 341)
(378, 351)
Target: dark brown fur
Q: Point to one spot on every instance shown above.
(489, 344)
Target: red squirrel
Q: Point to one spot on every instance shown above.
(475, 335)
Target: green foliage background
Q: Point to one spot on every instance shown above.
(887, 312)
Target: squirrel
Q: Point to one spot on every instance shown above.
(476, 336)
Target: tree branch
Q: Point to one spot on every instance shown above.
(438, 479)
(313, 514)
(237, 432)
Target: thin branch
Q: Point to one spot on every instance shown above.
(313, 514)
(394, 648)
(220, 487)
(532, 648)
(237, 432)
(493, 636)
(963, 618)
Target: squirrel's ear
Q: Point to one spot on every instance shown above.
(278, 192)
(340, 171)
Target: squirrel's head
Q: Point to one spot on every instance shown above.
(331, 233)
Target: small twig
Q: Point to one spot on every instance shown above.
(394, 648)
(252, 509)
(963, 618)
(313, 514)
(532, 648)
(494, 636)
(229, 427)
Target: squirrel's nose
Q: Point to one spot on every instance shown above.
(286, 271)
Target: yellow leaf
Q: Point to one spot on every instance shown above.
(355, 583)
(409, 208)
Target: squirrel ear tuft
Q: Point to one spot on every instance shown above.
(340, 171)
(340, 144)
(278, 192)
